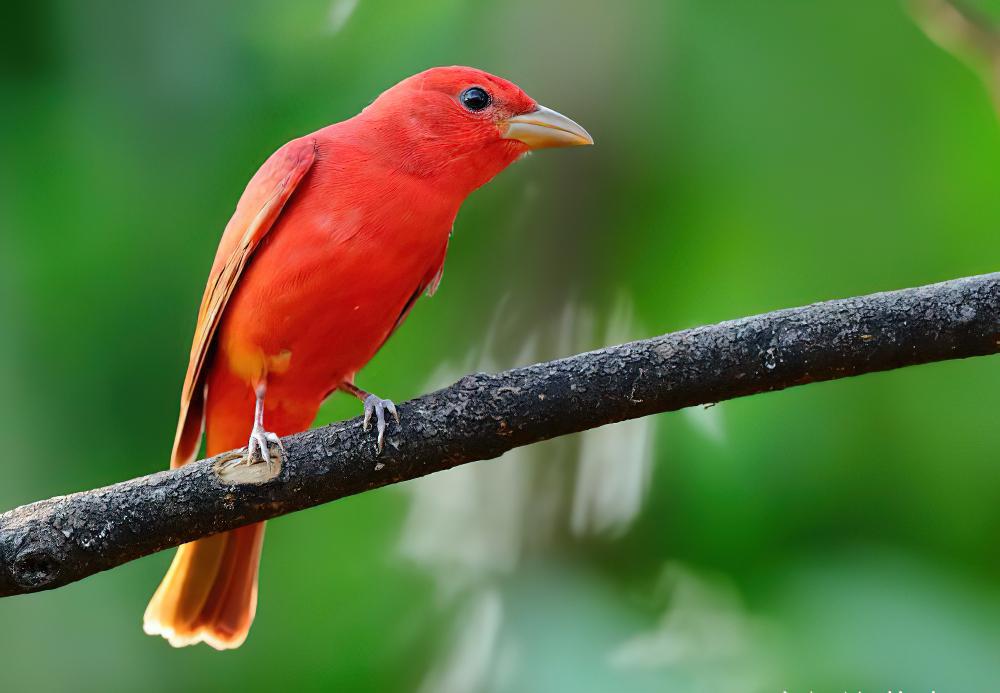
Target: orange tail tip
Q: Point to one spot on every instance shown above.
(209, 594)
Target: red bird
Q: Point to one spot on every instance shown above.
(332, 242)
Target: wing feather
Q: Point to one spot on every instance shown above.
(256, 213)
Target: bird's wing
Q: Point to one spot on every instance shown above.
(428, 285)
(256, 213)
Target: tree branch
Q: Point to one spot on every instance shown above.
(57, 541)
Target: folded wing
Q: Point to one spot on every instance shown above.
(256, 213)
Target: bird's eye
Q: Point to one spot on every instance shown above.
(475, 98)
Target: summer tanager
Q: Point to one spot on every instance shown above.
(332, 242)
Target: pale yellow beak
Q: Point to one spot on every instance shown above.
(543, 128)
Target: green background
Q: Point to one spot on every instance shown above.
(750, 156)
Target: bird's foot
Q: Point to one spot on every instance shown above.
(258, 448)
(378, 407)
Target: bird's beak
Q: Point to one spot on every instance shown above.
(543, 128)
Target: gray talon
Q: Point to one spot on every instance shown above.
(369, 408)
(260, 439)
(273, 438)
(259, 445)
(378, 406)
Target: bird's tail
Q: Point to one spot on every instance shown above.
(210, 592)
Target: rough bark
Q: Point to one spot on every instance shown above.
(57, 541)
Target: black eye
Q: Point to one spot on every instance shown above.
(475, 98)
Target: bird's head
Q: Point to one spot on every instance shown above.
(465, 124)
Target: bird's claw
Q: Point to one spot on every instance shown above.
(259, 445)
(378, 406)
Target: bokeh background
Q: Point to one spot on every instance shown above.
(751, 156)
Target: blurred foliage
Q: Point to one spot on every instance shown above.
(750, 156)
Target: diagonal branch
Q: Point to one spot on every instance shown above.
(57, 541)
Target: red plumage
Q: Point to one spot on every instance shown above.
(331, 243)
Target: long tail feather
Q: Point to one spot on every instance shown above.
(210, 592)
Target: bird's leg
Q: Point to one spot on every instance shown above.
(260, 438)
(373, 405)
